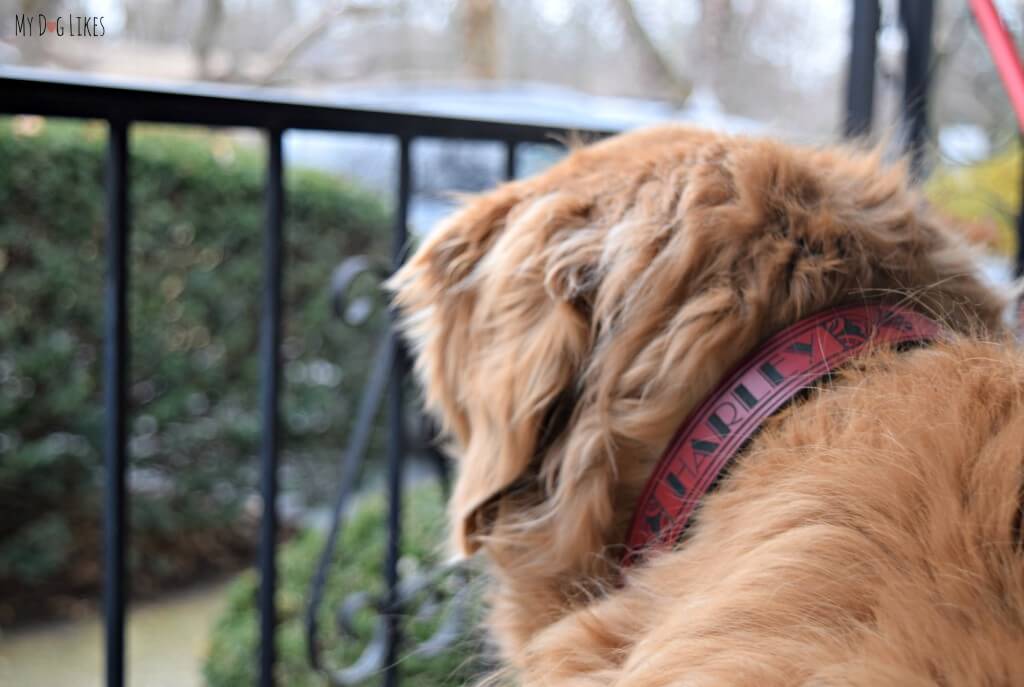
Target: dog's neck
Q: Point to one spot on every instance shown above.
(779, 370)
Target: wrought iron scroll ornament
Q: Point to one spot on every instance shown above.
(440, 593)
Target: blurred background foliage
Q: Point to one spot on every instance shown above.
(196, 261)
(777, 62)
(983, 198)
(229, 661)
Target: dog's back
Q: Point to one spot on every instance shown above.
(868, 536)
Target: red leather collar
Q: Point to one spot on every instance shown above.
(781, 368)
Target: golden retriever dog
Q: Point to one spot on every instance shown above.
(564, 326)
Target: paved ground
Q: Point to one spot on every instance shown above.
(166, 643)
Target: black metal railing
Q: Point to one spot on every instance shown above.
(916, 19)
(39, 93)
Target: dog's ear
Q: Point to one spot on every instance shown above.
(496, 314)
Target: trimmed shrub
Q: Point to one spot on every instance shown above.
(231, 658)
(197, 212)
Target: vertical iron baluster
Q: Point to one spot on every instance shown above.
(860, 84)
(511, 164)
(115, 373)
(270, 375)
(917, 16)
(1019, 270)
(396, 429)
(1020, 215)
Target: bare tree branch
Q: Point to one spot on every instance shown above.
(679, 87)
(301, 38)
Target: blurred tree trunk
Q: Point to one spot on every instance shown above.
(34, 7)
(479, 36)
(35, 52)
(584, 46)
(677, 85)
(285, 11)
(209, 26)
(716, 20)
(715, 24)
(402, 61)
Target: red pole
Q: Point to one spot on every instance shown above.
(1004, 53)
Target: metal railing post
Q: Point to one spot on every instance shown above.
(1019, 266)
(115, 381)
(511, 163)
(860, 84)
(1019, 272)
(917, 16)
(270, 375)
(396, 429)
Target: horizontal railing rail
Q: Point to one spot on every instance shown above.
(30, 91)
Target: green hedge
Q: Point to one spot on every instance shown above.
(231, 656)
(197, 212)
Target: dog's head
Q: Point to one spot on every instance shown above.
(563, 325)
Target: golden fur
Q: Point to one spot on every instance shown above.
(564, 325)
